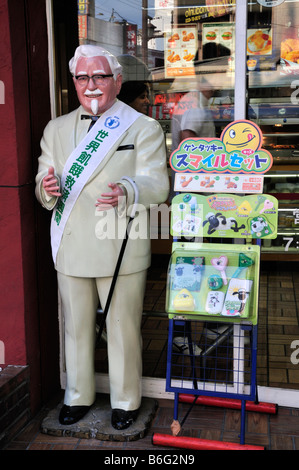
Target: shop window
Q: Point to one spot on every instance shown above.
(178, 46)
(272, 71)
(186, 51)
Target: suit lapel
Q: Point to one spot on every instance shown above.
(72, 131)
(81, 126)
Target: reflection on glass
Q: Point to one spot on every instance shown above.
(273, 73)
(197, 75)
(185, 51)
(178, 45)
(273, 68)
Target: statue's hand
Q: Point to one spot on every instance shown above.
(50, 183)
(110, 199)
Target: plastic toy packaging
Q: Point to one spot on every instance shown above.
(213, 279)
(186, 274)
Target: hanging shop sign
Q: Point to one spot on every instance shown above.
(222, 7)
(82, 26)
(199, 13)
(83, 7)
(237, 151)
(131, 39)
(166, 4)
(270, 3)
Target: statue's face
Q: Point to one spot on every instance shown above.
(96, 98)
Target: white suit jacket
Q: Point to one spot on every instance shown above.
(85, 250)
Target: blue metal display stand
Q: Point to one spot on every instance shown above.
(225, 366)
(212, 342)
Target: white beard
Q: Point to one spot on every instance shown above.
(94, 106)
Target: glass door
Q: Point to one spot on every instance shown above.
(273, 78)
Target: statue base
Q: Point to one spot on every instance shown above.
(96, 424)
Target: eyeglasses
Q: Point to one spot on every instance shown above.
(97, 79)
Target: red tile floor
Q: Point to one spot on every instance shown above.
(273, 432)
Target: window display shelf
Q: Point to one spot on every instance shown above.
(284, 185)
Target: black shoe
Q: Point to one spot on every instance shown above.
(72, 414)
(122, 419)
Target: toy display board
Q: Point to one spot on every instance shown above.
(224, 216)
(215, 280)
(203, 183)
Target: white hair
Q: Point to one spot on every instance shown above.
(89, 50)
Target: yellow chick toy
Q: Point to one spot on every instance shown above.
(184, 301)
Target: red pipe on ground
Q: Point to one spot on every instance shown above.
(194, 443)
(261, 407)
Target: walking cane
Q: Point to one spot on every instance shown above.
(120, 256)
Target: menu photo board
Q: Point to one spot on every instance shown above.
(289, 56)
(218, 39)
(259, 41)
(180, 50)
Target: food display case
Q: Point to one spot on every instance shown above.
(277, 114)
(284, 185)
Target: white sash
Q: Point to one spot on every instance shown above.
(84, 160)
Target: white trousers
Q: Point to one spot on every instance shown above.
(80, 298)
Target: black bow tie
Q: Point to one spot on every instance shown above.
(93, 119)
(89, 116)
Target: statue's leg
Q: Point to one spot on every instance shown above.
(124, 338)
(79, 304)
